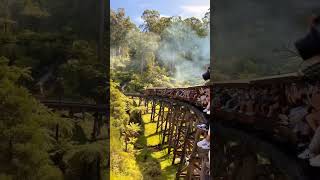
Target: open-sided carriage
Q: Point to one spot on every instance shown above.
(195, 95)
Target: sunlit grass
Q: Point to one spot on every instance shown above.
(168, 171)
(153, 138)
(128, 167)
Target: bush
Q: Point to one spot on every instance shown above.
(152, 169)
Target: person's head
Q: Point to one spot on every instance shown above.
(206, 75)
(314, 20)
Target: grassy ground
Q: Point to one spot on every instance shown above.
(154, 162)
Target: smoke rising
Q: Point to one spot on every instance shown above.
(185, 53)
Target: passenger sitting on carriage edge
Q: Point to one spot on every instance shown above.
(298, 110)
(205, 143)
(313, 151)
(207, 109)
(246, 105)
(205, 100)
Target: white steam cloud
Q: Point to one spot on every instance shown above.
(185, 53)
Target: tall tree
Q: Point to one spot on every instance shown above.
(144, 46)
(120, 26)
(151, 18)
(14, 10)
(197, 25)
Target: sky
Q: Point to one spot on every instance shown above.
(183, 8)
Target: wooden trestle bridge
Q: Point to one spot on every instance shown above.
(99, 111)
(176, 122)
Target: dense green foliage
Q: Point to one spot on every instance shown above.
(26, 130)
(123, 165)
(44, 43)
(34, 35)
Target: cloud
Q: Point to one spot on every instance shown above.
(138, 20)
(163, 15)
(194, 10)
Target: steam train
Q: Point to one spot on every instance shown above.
(196, 95)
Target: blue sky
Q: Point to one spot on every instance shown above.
(183, 8)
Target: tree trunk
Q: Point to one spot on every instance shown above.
(10, 149)
(57, 132)
(94, 129)
(98, 168)
(119, 51)
(6, 23)
(101, 31)
(141, 65)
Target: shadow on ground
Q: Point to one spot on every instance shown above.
(149, 166)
